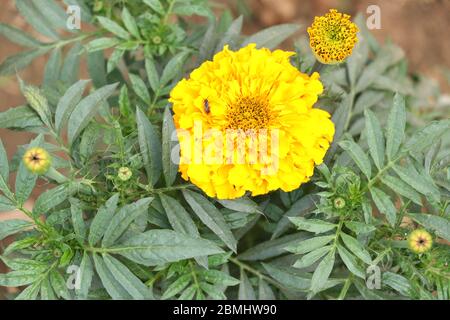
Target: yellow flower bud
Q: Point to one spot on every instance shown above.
(124, 173)
(420, 241)
(37, 160)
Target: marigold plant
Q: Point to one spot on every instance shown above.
(198, 162)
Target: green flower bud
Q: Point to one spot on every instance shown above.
(124, 173)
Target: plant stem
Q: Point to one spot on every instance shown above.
(255, 272)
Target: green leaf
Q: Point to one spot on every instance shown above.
(243, 204)
(157, 247)
(46, 290)
(427, 136)
(288, 278)
(29, 293)
(246, 291)
(30, 11)
(6, 204)
(218, 277)
(101, 44)
(68, 102)
(232, 35)
(114, 60)
(402, 188)
(359, 227)
(264, 291)
(356, 248)
(140, 88)
(150, 146)
(21, 117)
(127, 279)
(123, 218)
(9, 227)
(71, 67)
(113, 27)
(25, 179)
(109, 281)
(440, 225)
(177, 286)
(18, 36)
(308, 245)
(417, 181)
(96, 67)
(101, 220)
(173, 68)
(211, 217)
(322, 272)
(4, 166)
(86, 109)
(77, 218)
(190, 9)
(18, 278)
(271, 37)
(37, 101)
(53, 13)
(312, 225)
(350, 262)
(152, 74)
(155, 5)
(271, 248)
(178, 217)
(59, 285)
(397, 282)
(384, 204)
(130, 22)
(170, 168)
(395, 132)
(17, 62)
(358, 155)
(50, 199)
(312, 257)
(85, 274)
(53, 68)
(375, 138)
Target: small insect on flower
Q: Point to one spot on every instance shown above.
(206, 106)
(37, 160)
(332, 37)
(420, 241)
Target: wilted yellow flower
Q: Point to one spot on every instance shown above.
(246, 122)
(332, 37)
(37, 160)
(420, 241)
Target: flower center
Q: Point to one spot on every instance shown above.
(422, 242)
(35, 158)
(248, 113)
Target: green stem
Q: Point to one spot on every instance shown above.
(194, 275)
(345, 288)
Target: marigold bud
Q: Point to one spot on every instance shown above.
(124, 173)
(420, 241)
(37, 160)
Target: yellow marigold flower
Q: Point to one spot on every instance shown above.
(332, 37)
(420, 241)
(37, 160)
(246, 122)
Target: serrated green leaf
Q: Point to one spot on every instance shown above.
(350, 262)
(77, 218)
(53, 68)
(114, 28)
(397, 282)
(417, 181)
(232, 35)
(21, 117)
(152, 74)
(243, 204)
(157, 247)
(68, 102)
(173, 68)
(101, 220)
(211, 217)
(312, 257)
(71, 66)
(178, 217)
(18, 36)
(50, 199)
(309, 245)
(177, 286)
(127, 279)
(271, 37)
(356, 248)
(85, 274)
(37, 101)
(312, 225)
(218, 278)
(59, 285)
(6, 204)
(18, 278)
(384, 204)
(402, 188)
(109, 281)
(264, 291)
(130, 22)
(359, 227)
(140, 88)
(123, 218)
(100, 44)
(170, 168)
(10, 227)
(4, 166)
(19, 61)
(155, 5)
(395, 132)
(150, 146)
(86, 109)
(358, 155)
(30, 11)
(246, 291)
(322, 272)
(375, 138)
(427, 136)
